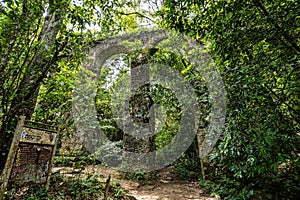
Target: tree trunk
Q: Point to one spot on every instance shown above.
(26, 95)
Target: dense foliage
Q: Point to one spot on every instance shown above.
(256, 46)
(254, 43)
(41, 40)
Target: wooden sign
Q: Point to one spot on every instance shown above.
(31, 156)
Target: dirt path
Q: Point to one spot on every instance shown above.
(168, 186)
(171, 187)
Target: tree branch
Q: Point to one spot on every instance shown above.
(286, 36)
(136, 13)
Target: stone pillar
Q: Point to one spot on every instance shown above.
(139, 135)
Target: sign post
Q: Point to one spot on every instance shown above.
(30, 158)
(10, 158)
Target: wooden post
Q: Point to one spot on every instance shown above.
(200, 139)
(11, 157)
(107, 185)
(202, 168)
(52, 159)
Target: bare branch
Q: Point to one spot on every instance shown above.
(138, 14)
